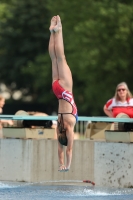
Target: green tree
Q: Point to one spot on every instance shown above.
(98, 46)
(23, 36)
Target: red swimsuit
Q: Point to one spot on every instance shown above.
(61, 93)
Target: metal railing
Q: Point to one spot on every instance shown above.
(80, 127)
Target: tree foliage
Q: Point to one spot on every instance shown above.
(23, 37)
(98, 46)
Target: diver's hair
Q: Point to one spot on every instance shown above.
(62, 139)
(129, 94)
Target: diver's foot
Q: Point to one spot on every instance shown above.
(53, 23)
(58, 25)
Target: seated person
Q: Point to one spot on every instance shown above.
(54, 123)
(122, 102)
(4, 121)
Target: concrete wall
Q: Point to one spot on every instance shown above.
(37, 160)
(113, 164)
(107, 164)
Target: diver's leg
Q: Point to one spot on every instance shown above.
(65, 75)
(52, 49)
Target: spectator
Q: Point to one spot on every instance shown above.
(122, 102)
(3, 122)
(54, 123)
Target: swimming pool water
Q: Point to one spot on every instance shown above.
(59, 191)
